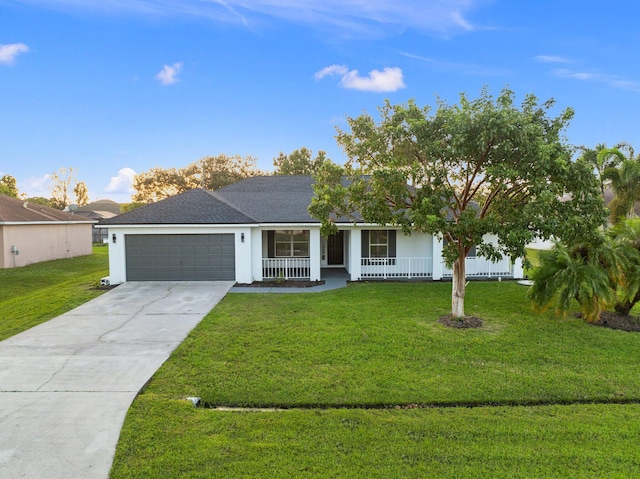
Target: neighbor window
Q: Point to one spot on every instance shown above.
(290, 243)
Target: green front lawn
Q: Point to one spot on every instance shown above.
(38, 292)
(349, 367)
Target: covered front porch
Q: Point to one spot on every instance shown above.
(364, 254)
(303, 254)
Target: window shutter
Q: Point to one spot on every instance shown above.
(392, 243)
(365, 244)
(271, 244)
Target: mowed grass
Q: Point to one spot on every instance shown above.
(38, 292)
(367, 383)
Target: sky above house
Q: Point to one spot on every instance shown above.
(113, 88)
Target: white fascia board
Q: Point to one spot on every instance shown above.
(199, 225)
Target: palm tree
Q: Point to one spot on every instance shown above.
(602, 158)
(597, 277)
(586, 274)
(625, 181)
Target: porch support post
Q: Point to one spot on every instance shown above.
(257, 254)
(438, 261)
(355, 254)
(314, 254)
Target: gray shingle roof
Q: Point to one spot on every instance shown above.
(273, 199)
(196, 206)
(13, 210)
(260, 199)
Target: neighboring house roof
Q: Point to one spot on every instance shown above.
(13, 210)
(101, 205)
(96, 214)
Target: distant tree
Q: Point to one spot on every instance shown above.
(82, 193)
(482, 167)
(60, 187)
(299, 162)
(211, 172)
(130, 206)
(159, 183)
(8, 186)
(223, 170)
(39, 200)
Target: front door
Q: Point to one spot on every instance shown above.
(335, 249)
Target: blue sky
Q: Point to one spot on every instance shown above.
(113, 87)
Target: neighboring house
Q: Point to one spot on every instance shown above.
(260, 229)
(99, 210)
(31, 233)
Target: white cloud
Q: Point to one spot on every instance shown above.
(550, 59)
(359, 16)
(388, 80)
(35, 186)
(331, 70)
(613, 81)
(472, 69)
(169, 74)
(9, 52)
(122, 183)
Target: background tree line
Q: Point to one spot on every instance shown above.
(64, 187)
(214, 172)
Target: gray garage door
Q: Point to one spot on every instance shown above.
(180, 257)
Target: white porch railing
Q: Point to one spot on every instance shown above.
(286, 268)
(396, 268)
(477, 266)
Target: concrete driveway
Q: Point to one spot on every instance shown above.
(66, 385)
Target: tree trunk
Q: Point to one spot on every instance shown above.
(459, 284)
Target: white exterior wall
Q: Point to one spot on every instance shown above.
(243, 253)
(416, 245)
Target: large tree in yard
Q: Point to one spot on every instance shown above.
(484, 166)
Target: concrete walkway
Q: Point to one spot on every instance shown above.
(66, 385)
(329, 284)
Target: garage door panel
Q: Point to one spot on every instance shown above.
(206, 257)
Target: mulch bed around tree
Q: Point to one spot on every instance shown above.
(280, 284)
(460, 323)
(613, 320)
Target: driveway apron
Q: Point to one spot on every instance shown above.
(66, 385)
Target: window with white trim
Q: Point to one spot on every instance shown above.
(291, 243)
(378, 244)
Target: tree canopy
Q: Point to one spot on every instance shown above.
(299, 162)
(61, 187)
(483, 166)
(211, 172)
(8, 186)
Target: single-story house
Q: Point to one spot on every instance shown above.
(99, 210)
(259, 229)
(31, 233)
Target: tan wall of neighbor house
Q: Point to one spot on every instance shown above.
(36, 243)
